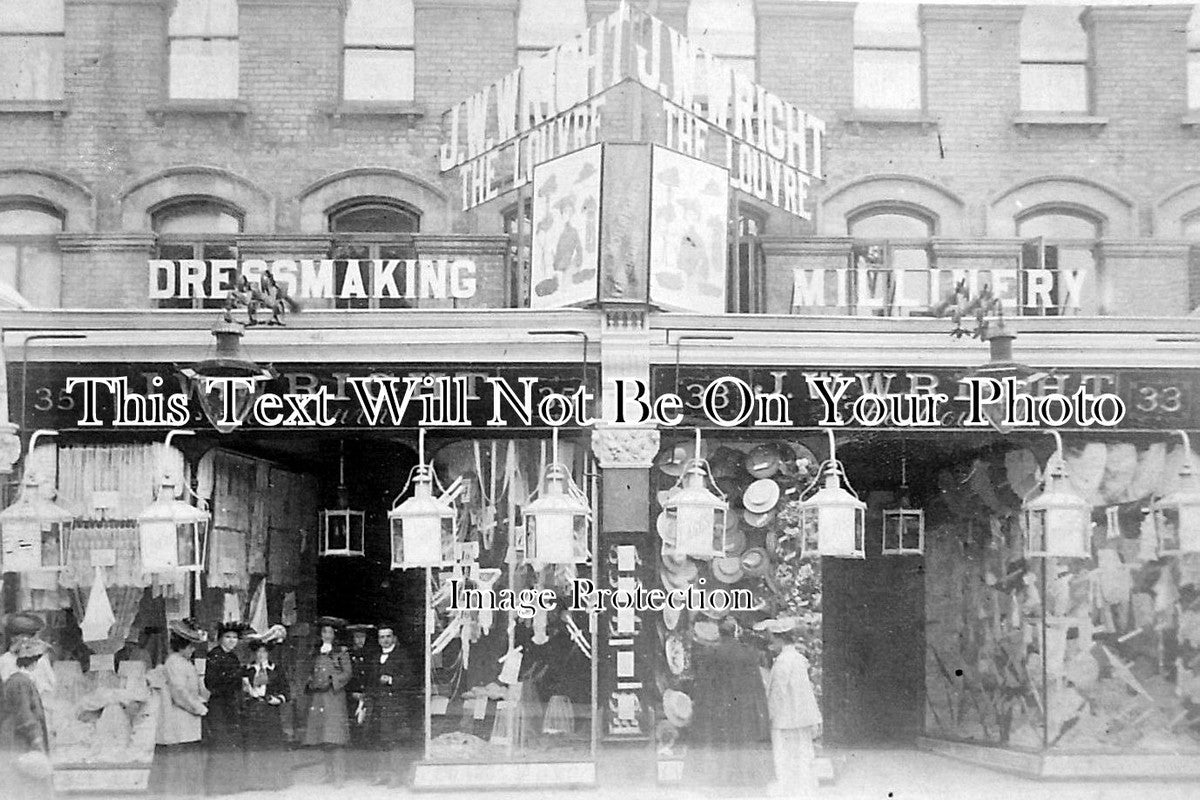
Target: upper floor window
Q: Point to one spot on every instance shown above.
(373, 230)
(30, 261)
(746, 282)
(203, 229)
(1063, 242)
(725, 29)
(1054, 60)
(31, 49)
(544, 24)
(378, 52)
(887, 57)
(202, 40)
(888, 240)
(1193, 59)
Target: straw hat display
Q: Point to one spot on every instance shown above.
(763, 461)
(677, 708)
(672, 458)
(705, 631)
(755, 561)
(728, 569)
(678, 658)
(761, 496)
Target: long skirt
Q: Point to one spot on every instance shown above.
(268, 759)
(795, 772)
(223, 736)
(178, 770)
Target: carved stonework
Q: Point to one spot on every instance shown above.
(627, 448)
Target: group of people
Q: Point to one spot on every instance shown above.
(224, 730)
(738, 715)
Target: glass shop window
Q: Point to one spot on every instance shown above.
(373, 230)
(887, 57)
(202, 44)
(747, 281)
(379, 52)
(725, 29)
(1064, 243)
(30, 261)
(884, 241)
(544, 24)
(1055, 71)
(32, 35)
(202, 229)
(1193, 60)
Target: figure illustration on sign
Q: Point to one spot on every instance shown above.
(267, 295)
(568, 252)
(664, 223)
(564, 252)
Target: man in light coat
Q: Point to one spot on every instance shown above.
(792, 705)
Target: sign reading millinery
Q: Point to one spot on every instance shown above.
(555, 105)
(1152, 399)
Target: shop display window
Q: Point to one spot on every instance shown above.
(510, 685)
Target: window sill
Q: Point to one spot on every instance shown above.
(55, 108)
(1191, 119)
(872, 116)
(1028, 119)
(367, 108)
(234, 109)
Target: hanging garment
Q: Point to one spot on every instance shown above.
(258, 608)
(98, 617)
(232, 611)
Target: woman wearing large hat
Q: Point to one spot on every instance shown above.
(327, 726)
(178, 757)
(264, 691)
(24, 742)
(223, 725)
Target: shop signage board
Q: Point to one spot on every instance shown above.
(556, 105)
(146, 390)
(1153, 399)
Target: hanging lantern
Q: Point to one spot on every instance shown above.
(699, 514)
(556, 523)
(1058, 522)
(227, 402)
(423, 527)
(342, 528)
(35, 531)
(838, 515)
(173, 534)
(903, 527)
(1177, 515)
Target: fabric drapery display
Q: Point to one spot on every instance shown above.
(98, 618)
(129, 475)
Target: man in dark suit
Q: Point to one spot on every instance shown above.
(389, 701)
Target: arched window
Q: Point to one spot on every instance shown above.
(372, 229)
(543, 24)
(887, 239)
(1191, 232)
(746, 283)
(30, 261)
(1062, 240)
(725, 29)
(202, 228)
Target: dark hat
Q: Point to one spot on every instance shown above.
(22, 623)
(30, 648)
(240, 628)
(387, 625)
(333, 622)
(188, 630)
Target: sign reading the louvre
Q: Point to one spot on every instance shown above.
(306, 279)
(555, 105)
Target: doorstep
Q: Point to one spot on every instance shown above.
(1068, 766)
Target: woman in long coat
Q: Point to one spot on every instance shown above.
(23, 728)
(327, 725)
(730, 722)
(264, 691)
(223, 725)
(179, 757)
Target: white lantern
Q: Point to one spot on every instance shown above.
(423, 527)
(903, 527)
(342, 528)
(172, 533)
(1177, 515)
(556, 523)
(1058, 522)
(838, 514)
(699, 513)
(34, 532)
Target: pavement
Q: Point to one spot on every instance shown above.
(881, 774)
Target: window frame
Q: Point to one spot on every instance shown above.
(922, 80)
(60, 34)
(197, 241)
(169, 38)
(410, 47)
(375, 242)
(1087, 63)
(47, 241)
(889, 245)
(1056, 244)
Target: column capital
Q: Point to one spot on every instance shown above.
(625, 447)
